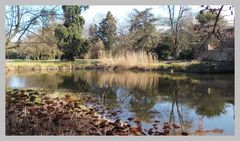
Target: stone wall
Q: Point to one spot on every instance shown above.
(225, 54)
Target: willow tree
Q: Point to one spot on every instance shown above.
(69, 34)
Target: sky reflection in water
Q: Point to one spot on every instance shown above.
(195, 101)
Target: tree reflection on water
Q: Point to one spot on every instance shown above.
(180, 96)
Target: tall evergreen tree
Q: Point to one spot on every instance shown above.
(142, 20)
(69, 33)
(107, 31)
(142, 30)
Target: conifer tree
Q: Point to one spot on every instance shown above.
(69, 33)
(107, 31)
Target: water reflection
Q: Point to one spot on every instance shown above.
(198, 103)
(17, 82)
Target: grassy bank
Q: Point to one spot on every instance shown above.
(21, 65)
(106, 64)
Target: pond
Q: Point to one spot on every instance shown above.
(201, 104)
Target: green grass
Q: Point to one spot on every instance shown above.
(86, 62)
(50, 62)
(176, 65)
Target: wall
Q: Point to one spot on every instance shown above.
(225, 54)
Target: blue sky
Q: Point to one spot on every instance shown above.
(96, 12)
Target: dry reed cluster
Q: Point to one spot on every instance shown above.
(129, 59)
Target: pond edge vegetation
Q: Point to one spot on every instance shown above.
(111, 65)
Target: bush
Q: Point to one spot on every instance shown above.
(14, 55)
(162, 50)
(95, 50)
(187, 54)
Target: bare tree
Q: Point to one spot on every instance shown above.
(175, 18)
(215, 27)
(21, 20)
(212, 28)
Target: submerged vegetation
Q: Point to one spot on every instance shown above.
(35, 112)
(136, 98)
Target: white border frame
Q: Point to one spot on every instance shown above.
(122, 2)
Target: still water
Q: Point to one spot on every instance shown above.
(200, 104)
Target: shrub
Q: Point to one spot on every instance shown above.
(95, 50)
(162, 51)
(187, 54)
(14, 55)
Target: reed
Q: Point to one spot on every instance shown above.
(129, 59)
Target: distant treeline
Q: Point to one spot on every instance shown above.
(50, 34)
